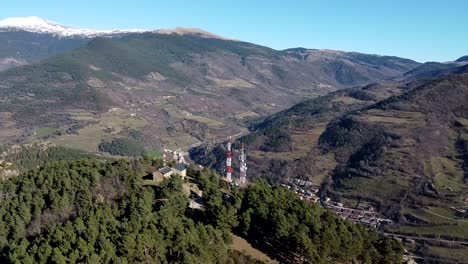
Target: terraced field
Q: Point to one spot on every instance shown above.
(46, 131)
(80, 115)
(246, 115)
(456, 254)
(393, 117)
(182, 142)
(303, 142)
(108, 127)
(8, 129)
(208, 121)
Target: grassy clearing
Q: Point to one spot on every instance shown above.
(249, 114)
(388, 187)
(275, 155)
(449, 181)
(88, 139)
(208, 121)
(160, 102)
(389, 119)
(393, 117)
(46, 131)
(7, 127)
(447, 174)
(456, 230)
(152, 153)
(110, 124)
(426, 216)
(7, 134)
(303, 142)
(449, 213)
(183, 142)
(150, 183)
(173, 111)
(326, 163)
(6, 119)
(396, 113)
(79, 115)
(463, 121)
(233, 83)
(176, 113)
(346, 100)
(460, 254)
(263, 108)
(240, 244)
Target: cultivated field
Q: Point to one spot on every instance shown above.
(108, 126)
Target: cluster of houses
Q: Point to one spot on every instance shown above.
(180, 167)
(304, 189)
(368, 218)
(308, 192)
(166, 171)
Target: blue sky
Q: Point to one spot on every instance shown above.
(421, 30)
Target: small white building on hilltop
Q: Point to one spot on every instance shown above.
(166, 171)
(180, 169)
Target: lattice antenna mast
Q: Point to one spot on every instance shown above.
(229, 161)
(243, 165)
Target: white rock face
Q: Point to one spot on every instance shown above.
(40, 25)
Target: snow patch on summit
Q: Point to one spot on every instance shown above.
(39, 25)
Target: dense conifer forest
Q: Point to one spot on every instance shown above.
(99, 211)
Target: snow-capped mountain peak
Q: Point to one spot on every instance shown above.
(32, 22)
(40, 25)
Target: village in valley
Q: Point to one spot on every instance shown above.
(364, 215)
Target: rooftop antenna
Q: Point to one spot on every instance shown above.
(179, 156)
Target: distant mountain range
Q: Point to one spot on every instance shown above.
(39, 25)
(433, 70)
(188, 84)
(28, 39)
(462, 59)
(381, 131)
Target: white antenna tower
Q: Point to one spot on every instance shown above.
(229, 161)
(243, 165)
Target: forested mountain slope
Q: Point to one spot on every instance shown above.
(100, 212)
(285, 144)
(30, 47)
(398, 143)
(404, 155)
(184, 88)
(434, 70)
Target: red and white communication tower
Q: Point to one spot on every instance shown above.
(243, 165)
(229, 161)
